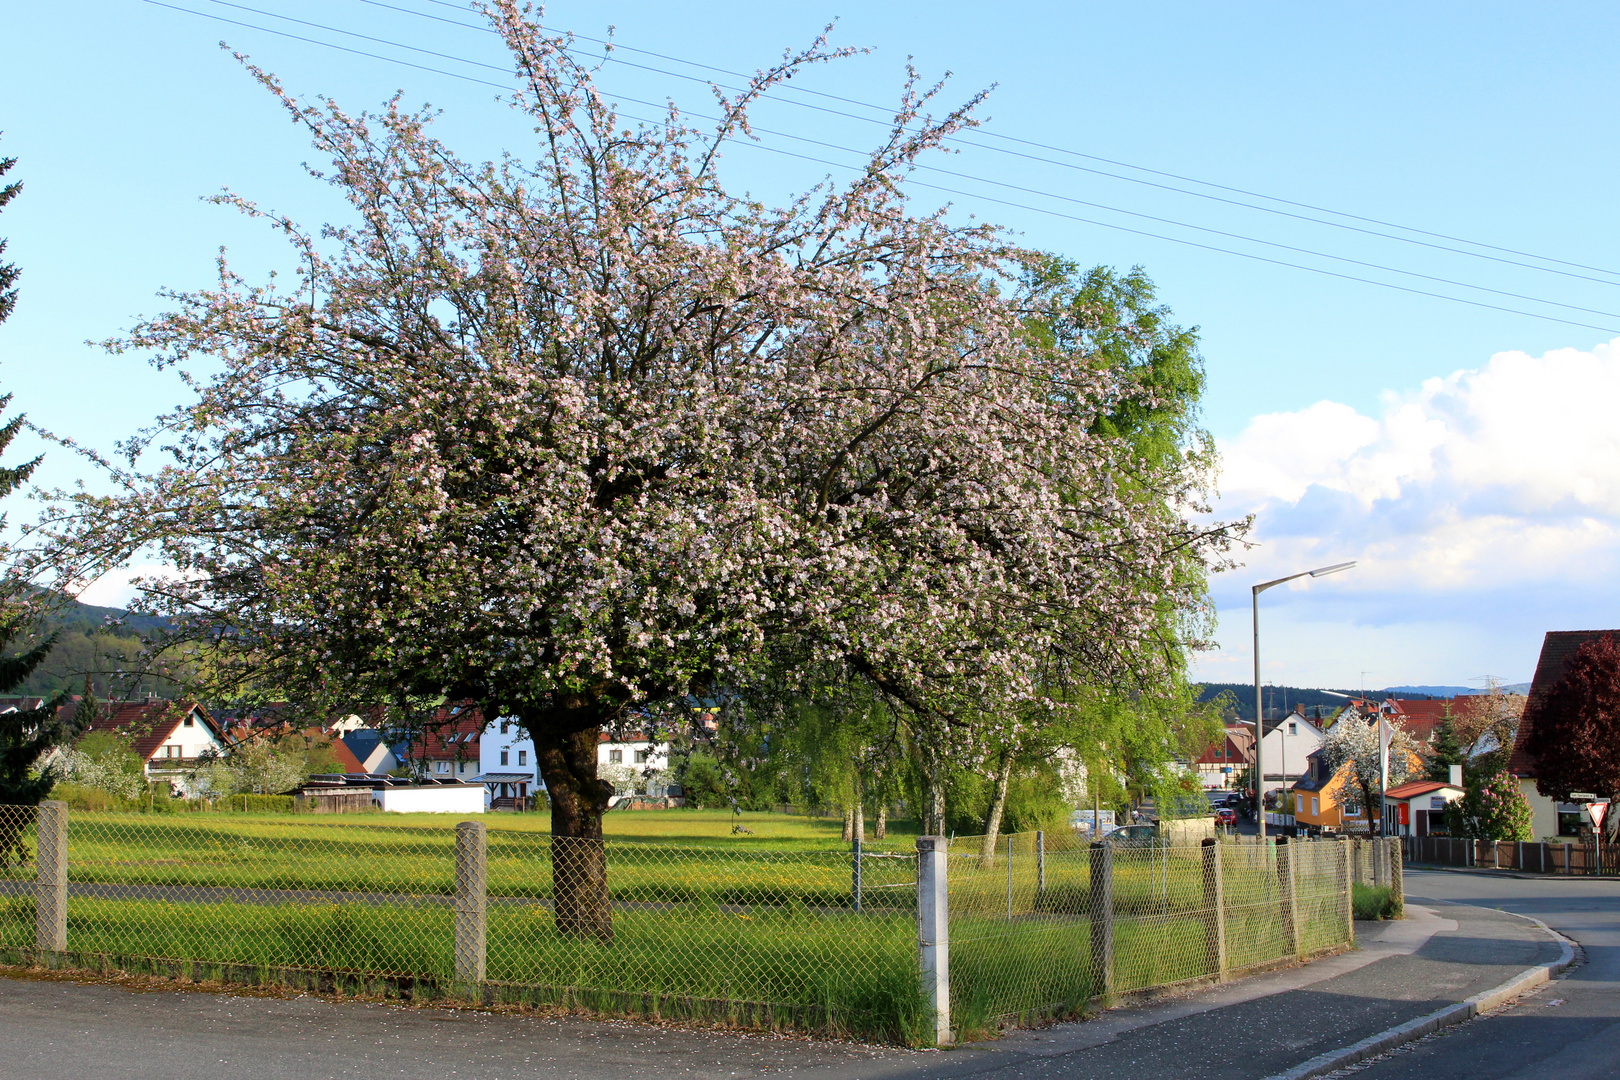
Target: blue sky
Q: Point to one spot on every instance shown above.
(1465, 455)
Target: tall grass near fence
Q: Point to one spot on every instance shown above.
(759, 937)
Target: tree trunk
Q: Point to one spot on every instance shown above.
(882, 830)
(998, 804)
(859, 830)
(578, 859)
(849, 824)
(933, 810)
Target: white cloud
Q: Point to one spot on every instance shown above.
(1488, 497)
(1510, 471)
(116, 588)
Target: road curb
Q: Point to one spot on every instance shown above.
(1501, 872)
(1412, 1030)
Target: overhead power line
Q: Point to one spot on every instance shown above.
(970, 140)
(933, 187)
(979, 179)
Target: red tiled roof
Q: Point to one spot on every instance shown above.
(148, 724)
(450, 734)
(1237, 745)
(1421, 718)
(1557, 650)
(1417, 787)
(346, 756)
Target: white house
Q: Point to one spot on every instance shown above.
(507, 766)
(507, 757)
(1287, 744)
(168, 736)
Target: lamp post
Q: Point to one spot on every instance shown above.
(1259, 711)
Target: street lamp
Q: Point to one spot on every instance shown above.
(1259, 712)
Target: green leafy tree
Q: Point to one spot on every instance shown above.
(1492, 808)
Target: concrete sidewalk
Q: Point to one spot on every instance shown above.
(1248, 1029)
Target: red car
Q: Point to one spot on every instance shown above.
(1226, 816)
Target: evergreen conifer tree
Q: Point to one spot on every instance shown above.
(26, 734)
(1445, 752)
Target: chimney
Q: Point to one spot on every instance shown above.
(1456, 776)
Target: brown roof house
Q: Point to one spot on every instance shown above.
(1550, 819)
(1219, 765)
(168, 736)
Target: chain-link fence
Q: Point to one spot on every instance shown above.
(830, 941)
(1048, 924)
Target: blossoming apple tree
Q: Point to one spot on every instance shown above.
(576, 435)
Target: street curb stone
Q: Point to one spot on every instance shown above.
(1412, 1030)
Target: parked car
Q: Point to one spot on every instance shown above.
(1225, 816)
(1129, 833)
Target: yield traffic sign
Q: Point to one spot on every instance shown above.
(1595, 811)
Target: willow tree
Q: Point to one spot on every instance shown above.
(575, 436)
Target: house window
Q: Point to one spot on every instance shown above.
(505, 726)
(641, 756)
(1314, 811)
(462, 767)
(190, 721)
(1293, 728)
(503, 757)
(442, 766)
(523, 757)
(616, 757)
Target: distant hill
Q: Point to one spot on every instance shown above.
(1281, 699)
(1278, 699)
(1451, 691)
(92, 640)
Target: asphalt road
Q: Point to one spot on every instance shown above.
(1567, 1030)
(62, 1029)
(66, 1030)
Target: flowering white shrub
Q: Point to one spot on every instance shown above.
(107, 775)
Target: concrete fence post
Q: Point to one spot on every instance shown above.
(1397, 878)
(934, 934)
(1102, 918)
(1496, 859)
(1349, 893)
(1040, 861)
(1288, 902)
(1569, 858)
(472, 900)
(50, 889)
(1214, 909)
